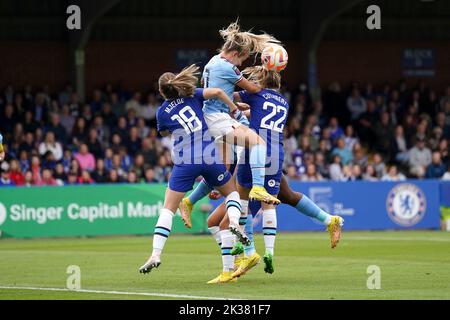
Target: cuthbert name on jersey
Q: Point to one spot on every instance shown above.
(74, 211)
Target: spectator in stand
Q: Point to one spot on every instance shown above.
(134, 142)
(15, 173)
(356, 104)
(24, 163)
(370, 174)
(148, 111)
(117, 107)
(72, 178)
(393, 175)
(383, 135)
(349, 138)
(366, 123)
(36, 169)
(47, 178)
(436, 168)
(356, 173)
(419, 158)
(85, 158)
(138, 166)
(163, 170)
(79, 132)
(114, 177)
(359, 156)
(67, 120)
(292, 173)
(150, 176)
(49, 161)
(97, 101)
(336, 172)
(5, 178)
(57, 128)
(399, 146)
(75, 167)
(60, 175)
(311, 174)
(378, 165)
(100, 174)
(94, 144)
(51, 145)
(103, 132)
(144, 130)
(28, 179)
(345, 155)
(85, 178)
(321, 166)
(134, 103)
(131, 177)
(116, 143)
(335, 130)
(108, 116)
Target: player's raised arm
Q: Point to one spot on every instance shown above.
(249, 86)
(216, 93)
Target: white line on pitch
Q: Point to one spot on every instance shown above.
(148, 294)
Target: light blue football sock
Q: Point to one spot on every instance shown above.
(309, 208)
(258, 164)
(201, 191)
(250, 249)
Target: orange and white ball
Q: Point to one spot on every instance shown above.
(274, 57)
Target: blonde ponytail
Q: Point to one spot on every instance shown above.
(244, 42)
(182, 84)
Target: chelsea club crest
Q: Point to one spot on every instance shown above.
(406, 204)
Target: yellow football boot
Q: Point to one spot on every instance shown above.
(224, 277)
(185, 211)
(246, 264)
(258, 193)
(335, 230)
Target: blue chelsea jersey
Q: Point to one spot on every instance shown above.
(269, 112)
(220, 73)
(183, 119)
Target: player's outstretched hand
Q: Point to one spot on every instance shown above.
(242, 106)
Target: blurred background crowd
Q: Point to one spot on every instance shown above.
(356, 131)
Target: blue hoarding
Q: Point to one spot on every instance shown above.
(367, 205)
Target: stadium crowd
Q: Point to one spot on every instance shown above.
(363, 132)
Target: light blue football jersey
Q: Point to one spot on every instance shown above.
(220, 73)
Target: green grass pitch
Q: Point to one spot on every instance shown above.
(413, 264)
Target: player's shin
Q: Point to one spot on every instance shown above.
(258, 164)
(250, 249)
(309, 208)
(215, 232)
(234, 207)
(228, 240)
(162, 231)
(269, 229)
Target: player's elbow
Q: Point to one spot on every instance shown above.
(217, 93)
